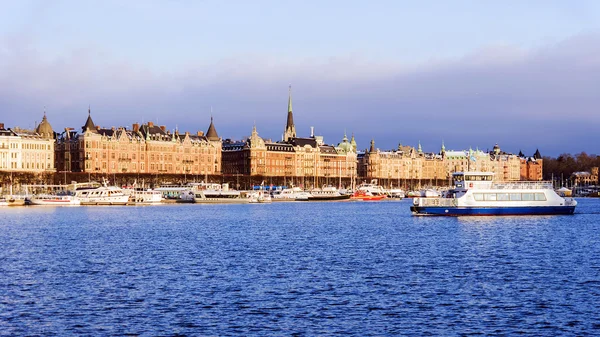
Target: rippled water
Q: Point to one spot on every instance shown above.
(296, 269)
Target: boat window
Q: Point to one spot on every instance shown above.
(502, 196)
(478, 196)
(528, 196)
(515, 197)
(540, 197)
(459, 178)
(490, 197)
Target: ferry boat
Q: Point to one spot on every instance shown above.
(54, 200)
(101, 195)
(475, 193)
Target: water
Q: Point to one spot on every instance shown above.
(307, 269)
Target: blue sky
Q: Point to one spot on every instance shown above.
(523, 74)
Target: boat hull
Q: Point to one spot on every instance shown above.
(492, 211)
(329, 198)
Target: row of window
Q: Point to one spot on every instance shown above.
(538, 196)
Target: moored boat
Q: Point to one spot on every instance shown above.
(205, 193)
(259, 197)
(12, 200)
(373, 189)
(144, 196)
(101, 195)
(327, 193)
(366, 196)
(290, 194)
(475, 193)
(54, 200)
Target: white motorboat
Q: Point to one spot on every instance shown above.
(143, 195)
(54, 200)
(327, 193)
(215, 193)
(290, 194)
(259, 197)
(372, 189)
(102, 195)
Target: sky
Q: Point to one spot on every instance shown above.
(470, 74)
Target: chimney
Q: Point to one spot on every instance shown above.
(136, 127)
(150, 124)
(163, 128)
(1, 126)
(312, 132)
(200, 133)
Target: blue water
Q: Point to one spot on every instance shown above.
(306, 269)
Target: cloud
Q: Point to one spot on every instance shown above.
(542, 98)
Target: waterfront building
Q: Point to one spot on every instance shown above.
(306, 162)
(412, 168)
(143, 149)
(585, 178)
(531, 167)
(23, 150)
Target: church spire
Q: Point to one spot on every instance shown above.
(211, 133)
(290, 129)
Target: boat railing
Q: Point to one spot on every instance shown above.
(522, 185)
(443, 202)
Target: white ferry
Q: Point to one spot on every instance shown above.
(475, 193)
(145, 196)
(102, 195)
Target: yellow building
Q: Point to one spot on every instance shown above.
(26, 150)
(306, 162)
(144, 149)
(412, 168)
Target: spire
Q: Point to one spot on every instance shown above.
(211, 133)
(420, 149)
(290, 99)
(353, 142)
(537, 154)
(372, 149)
(345, 139)
(290, 129)
(89, 124)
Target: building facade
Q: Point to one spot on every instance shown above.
(143, 149)
(29, 151)
(306, 162)
(412, 168)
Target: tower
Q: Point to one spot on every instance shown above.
(290, 129)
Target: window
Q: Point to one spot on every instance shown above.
(490, 197)
(478, 196)
(515, 197)
(502, 196)
(528, 196)
(540, 197)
